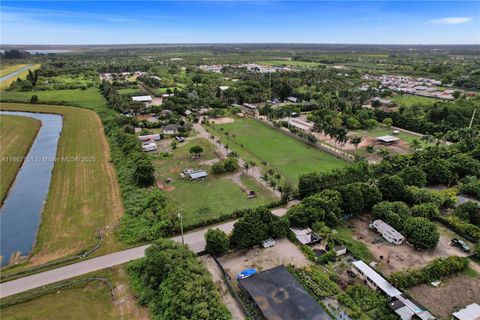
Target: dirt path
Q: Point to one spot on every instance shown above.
(255, 172)
(229, 301)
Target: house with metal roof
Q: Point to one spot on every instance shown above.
(470, 312)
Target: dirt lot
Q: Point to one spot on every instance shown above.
(283, 253)
(219, 280)
(396, 258)
(455, 293)
(224, 120)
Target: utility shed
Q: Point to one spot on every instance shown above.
(280, 297)
(470, 312)
(387, 139)
(374, 280)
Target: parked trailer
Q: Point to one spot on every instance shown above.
(148, 137)
(388, 232)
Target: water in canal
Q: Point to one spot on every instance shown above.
(21, 211)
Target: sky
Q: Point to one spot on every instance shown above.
(136, 22)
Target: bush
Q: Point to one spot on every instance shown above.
(421, 232)
(413, 176)
(175, 285)
(435, 270)
(217, 241)
(218, 168)
(466, 229)
(255, 226)
(415, 195)
(391, 187)
(469, 211)
(471, 187)
(427, 210)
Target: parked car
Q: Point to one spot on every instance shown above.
(460, 244)
(268, 243)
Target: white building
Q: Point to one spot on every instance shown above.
(142, 98)
(388, 232)
(148, 137)
(470, 312)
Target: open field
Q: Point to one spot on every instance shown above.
(89, 98)
(288, 155)
(454, 293)
(6, 83)
(409, 101)
(10, 69)
(17, 135)
(84, 194)
(209, 198)
(84, 301)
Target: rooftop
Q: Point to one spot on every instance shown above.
(279, 296)
(387, 139)
(470, 312)
(142, 98)
(380, 281)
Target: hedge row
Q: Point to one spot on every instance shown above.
(435, 270)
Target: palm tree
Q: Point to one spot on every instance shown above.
(252, 164)
(246, 166)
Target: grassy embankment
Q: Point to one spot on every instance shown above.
(16, 137)
(288, 155)
(84, 193)
(6, 83)
(9, 69)
(82, 301)
(212, 197)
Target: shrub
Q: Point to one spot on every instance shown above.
(468, 230)
(413, 176)
(421, 232)
(392, 187)
(469, 211)
(217, 241)
(471, 186)
(415, 195)
(435, 270)
(169, 276)
(427, 210)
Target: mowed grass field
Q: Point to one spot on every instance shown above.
(89, 98)
(22, 75)
(9, 69)
(83, 301)
(16, 137)
(288, 155)
(84, 194)
(209, 198)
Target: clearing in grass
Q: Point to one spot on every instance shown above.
(84, 195)
(210, 198)
(17, 135)
(255, 141)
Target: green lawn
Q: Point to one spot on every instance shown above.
(89, 98)
(16, 136)
(210, 198)
(130, 91)
(382, 131)
(287, 155)
(409, 101)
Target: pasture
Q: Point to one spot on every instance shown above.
(22, 75)
(286, 154)
(209, 198)
(16, 137)
(84, 194)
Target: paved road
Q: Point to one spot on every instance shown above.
(194, 239)
(14, 73)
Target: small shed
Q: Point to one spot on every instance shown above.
(387, 140)
(306, 236)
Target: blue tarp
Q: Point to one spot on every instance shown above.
(246, 273)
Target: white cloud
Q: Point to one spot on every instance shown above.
(451, 20)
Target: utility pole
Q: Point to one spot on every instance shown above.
(181, 226)
(473, 116)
